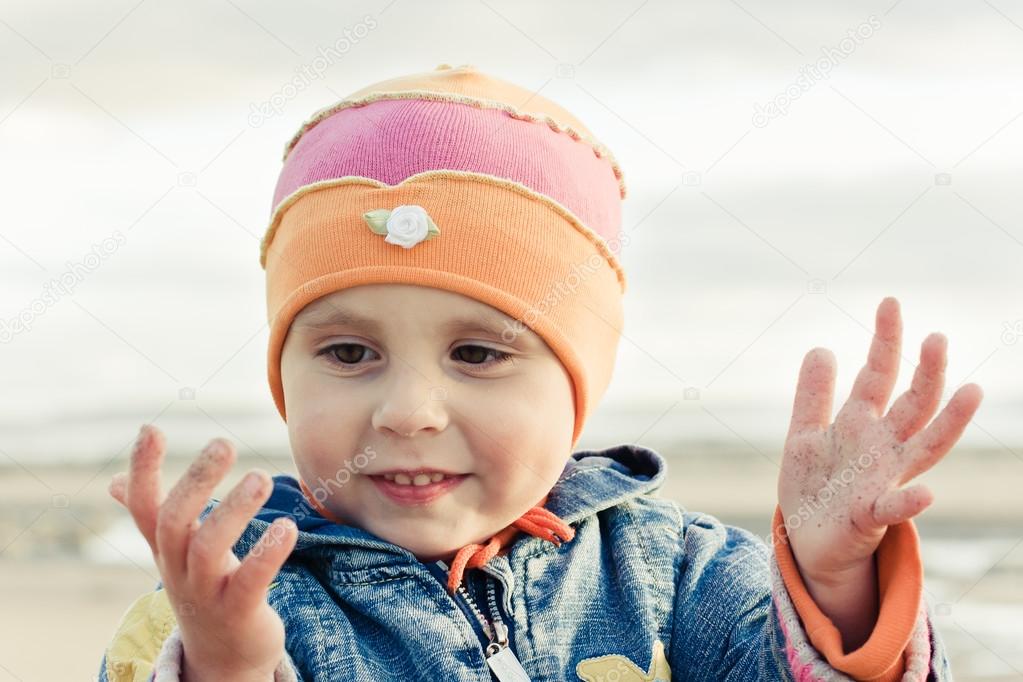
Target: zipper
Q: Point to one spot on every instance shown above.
(502, 661)
(474, 607)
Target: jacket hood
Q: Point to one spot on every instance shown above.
(592, 480)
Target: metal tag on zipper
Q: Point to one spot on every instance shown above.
(502, 659)
(505, 665)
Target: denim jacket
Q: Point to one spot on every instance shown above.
(644, 591)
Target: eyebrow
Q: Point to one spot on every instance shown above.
(338, 317)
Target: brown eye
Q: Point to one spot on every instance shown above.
(477, 355)
(345, 353)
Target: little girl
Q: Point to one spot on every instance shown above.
(445, 302)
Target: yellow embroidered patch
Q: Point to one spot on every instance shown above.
(618, 667)
(139, 638)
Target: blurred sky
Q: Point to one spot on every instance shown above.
(127, 130)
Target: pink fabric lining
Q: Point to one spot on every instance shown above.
(919, 649)
(801, 671)
(390, 140)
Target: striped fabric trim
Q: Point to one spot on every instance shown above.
(807, 664)
(168, 665)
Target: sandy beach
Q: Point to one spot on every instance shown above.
(72, 561)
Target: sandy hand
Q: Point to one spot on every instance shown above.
(228, 629)
(841, 484)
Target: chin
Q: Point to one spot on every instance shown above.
(426, 553)
(433, 551)
(430, 558)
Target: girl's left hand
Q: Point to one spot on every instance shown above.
(840, 485)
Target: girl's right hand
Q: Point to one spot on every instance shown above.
(228, 629)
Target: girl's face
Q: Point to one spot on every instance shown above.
(387, 377)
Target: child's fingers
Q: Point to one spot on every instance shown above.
(142, 488)
(249, 583)
(210, 549)
(897, 506)
(915, 407)
(930, 445)
(179, 514)
(811, 409)
(118, 487)
(875, 382)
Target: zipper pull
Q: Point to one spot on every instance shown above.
(501, 659)
(504, 664)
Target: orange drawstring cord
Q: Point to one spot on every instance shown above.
(538, 522)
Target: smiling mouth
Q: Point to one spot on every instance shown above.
(418, 478)
(414, 494)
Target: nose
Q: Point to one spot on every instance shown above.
(411, 403)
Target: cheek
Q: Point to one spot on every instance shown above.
(527, 440)
(541, 410)
(554, 409)
(321, 430)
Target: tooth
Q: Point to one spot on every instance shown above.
(421, 479)
(402, 479)
(389, 477)
(436, 477)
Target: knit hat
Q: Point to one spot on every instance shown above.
(456, 180)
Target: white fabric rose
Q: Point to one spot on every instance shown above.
(407, 226)
(404, 226)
